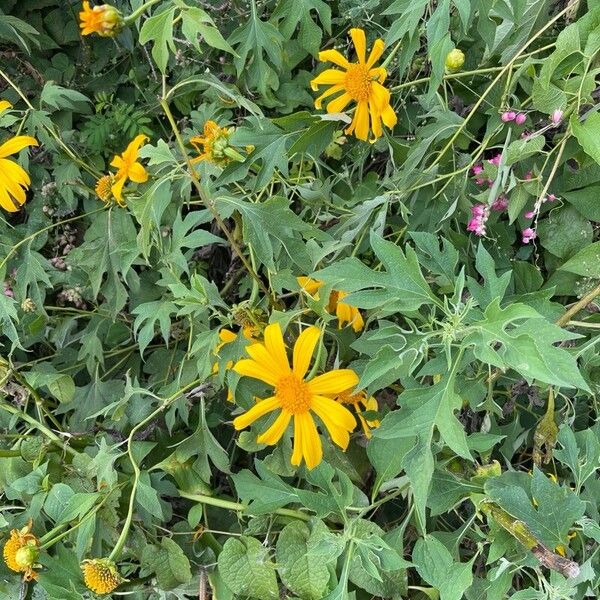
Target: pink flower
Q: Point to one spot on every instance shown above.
(480, 214)
(528, 176)
(477, 169)
(507, 116)
(530, 214)
(528, 235)
(520, 118)
(500, 203)
(550, 198)
(495, 160)
(556, 117)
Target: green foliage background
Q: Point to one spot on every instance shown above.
(483, 353)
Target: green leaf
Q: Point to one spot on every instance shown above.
(57, 501)
(588, 134)
(61, 98)
(552, 514)
(246, 569)
(303, 570)
(440, 261)
(580, 452)
(435, 565)
(586, 262)
(493, 287)
(158, 29)
(564, 232)
(400, 287)
(294, 14)
(525, 148)
(170, 564)
(197, 23)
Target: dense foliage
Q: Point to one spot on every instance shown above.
(301, 299)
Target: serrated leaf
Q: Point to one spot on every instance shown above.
(158, 29)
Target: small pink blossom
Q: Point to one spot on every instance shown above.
(520, 118)
(480, 214)
(530, 214)
(556, 117)
(528, 176)
(477, 169)
(495, 160)
(550, 198)
(528, 235)
(500, 203)
(507, 116)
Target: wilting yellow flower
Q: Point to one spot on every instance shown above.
(214, 146)
(295, 397)
(360, 82)
(360, 402)
(101, 575)
(14, 180)
(128, 168)
(105, 20)
(345, 313)
(21, 552)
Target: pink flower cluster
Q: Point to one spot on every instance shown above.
(511, 115)
(480, 213)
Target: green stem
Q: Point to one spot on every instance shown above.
(239, 507)
(136, 14)
(114, 555)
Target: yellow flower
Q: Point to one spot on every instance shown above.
(455, 59)
(295, 397)
(345, 313)
(214, 146)
(360, 402)
(105, 20)
(128, 168)
(101, 575)
(103, 188)
(21, 552)
(4, 104)
(14, 180)
(360, 82)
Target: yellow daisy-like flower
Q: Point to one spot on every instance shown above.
(105, 20)
(345, 313)
(295, 397)
(21, 552)
(359, 82)
(214, 146)
(101, 575)
(128, 168)
(14, 180)
(360, 402)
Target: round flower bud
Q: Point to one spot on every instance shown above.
(520, 118)
(455, 59)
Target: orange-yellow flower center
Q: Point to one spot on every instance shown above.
(358, 82)
(293, 394)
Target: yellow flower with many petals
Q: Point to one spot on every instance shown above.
(128, 168)
(295, 397)
(359, 82)
(14, 180)
(214, 146)
(21, 552)
(345, 313)
(105, 20)
(360, 402)
(101, 575)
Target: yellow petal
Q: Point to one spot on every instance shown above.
(132, 150)
(334, 89)
(250, 368)
(227, 336)
(5, 202)
(137, 173)
(389, 116)
(380, 96)
(117, 189)
(335, 57)
(260, 354)
(297, 453)
(378, 74)
(276, 347)
(261, 408)
(339, 435)
(4, 104)
(333, 382)
(338, 105)
(117, 162)
(328, 77)
(310, 286)
(337, 413)
(311, 442)
(349, 314)
(272, 435)
(16, 144)
(361, 121)
(303, 350)
(360, 43)
(376, 52)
